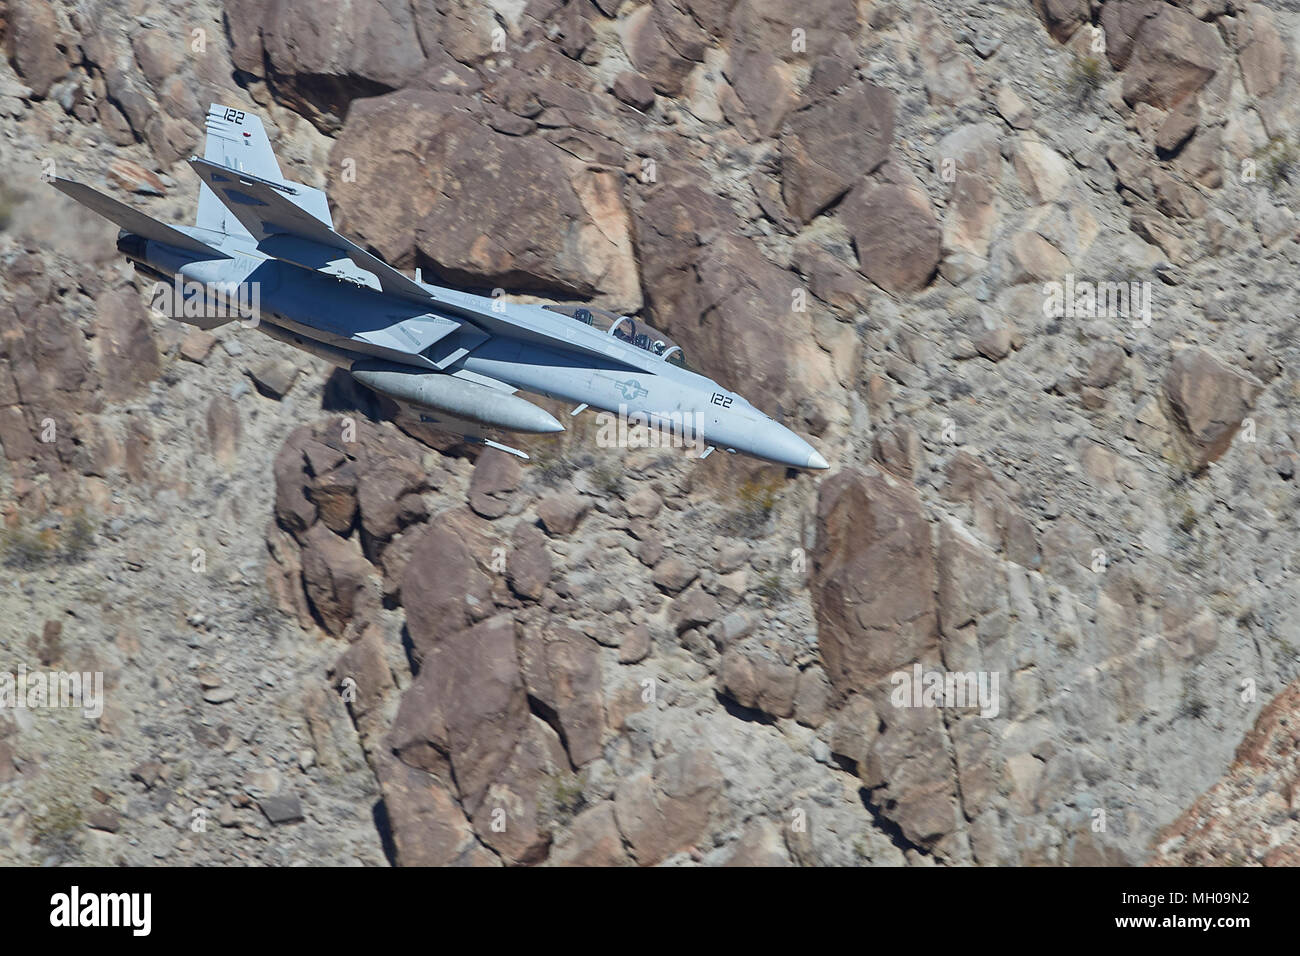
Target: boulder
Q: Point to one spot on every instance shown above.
(634, 90)
(591, 840)
(895, 235)
(1208, 399)
(428, 828)
(126, 352)
(950, 78)
(873, 578)
(727, 306)
(563, 673)
(971, 156)
(1174, 55)
(444, 589)
(528, 565)
(334, 577)
(1260, 50)
(829, 144)
(496, 477)
(666, 809)
(1043, 172)
(754, 678)
(319, 57)
(479, 207)
(35, 45)
(560, 512)
(1062, 17)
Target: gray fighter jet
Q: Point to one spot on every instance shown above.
(457, 359)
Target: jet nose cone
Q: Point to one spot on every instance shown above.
(776, 443)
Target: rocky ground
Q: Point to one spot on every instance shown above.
(327, 636)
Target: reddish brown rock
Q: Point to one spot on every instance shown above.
(528, 566)
(695, 607)
(35, 45)
(771, 24)
(334, 577)
(672, 575)
(428, 828)
(895, 235)
(444, 589)
(873, 578)
(293, 509)
(1122, 20)
(950, 79)
(830, 144)
(335, 495)
(127, 353)
(517, 813)
(388, 496)
(563, 673)
(466, 711)
(664, 44)
(480, 207)
(591, 840)
(560, 512)
(664, 811)
(496, 476)
(727, 306)
(1260, 50)
(319, 57)
(371, 680)
(1062, 17)
(634, 90)
(755, 678)
(134, 178)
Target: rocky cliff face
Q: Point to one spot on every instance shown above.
(1020, 269)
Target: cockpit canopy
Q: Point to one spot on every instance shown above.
(625, 328)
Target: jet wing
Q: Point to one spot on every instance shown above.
(284, 230)
(133, 220)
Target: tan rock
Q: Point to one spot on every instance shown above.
(970, 158)
(1043, 172)
(1174, 55)
(591, 840)
(1208, 400)
(754, 678)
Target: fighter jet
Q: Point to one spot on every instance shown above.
(455, 358)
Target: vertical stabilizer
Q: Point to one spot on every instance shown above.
(237, 140)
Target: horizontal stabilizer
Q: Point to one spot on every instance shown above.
(285, 230)
(134, 221)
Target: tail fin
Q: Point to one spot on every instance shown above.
(133, 220)
(237, 140)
